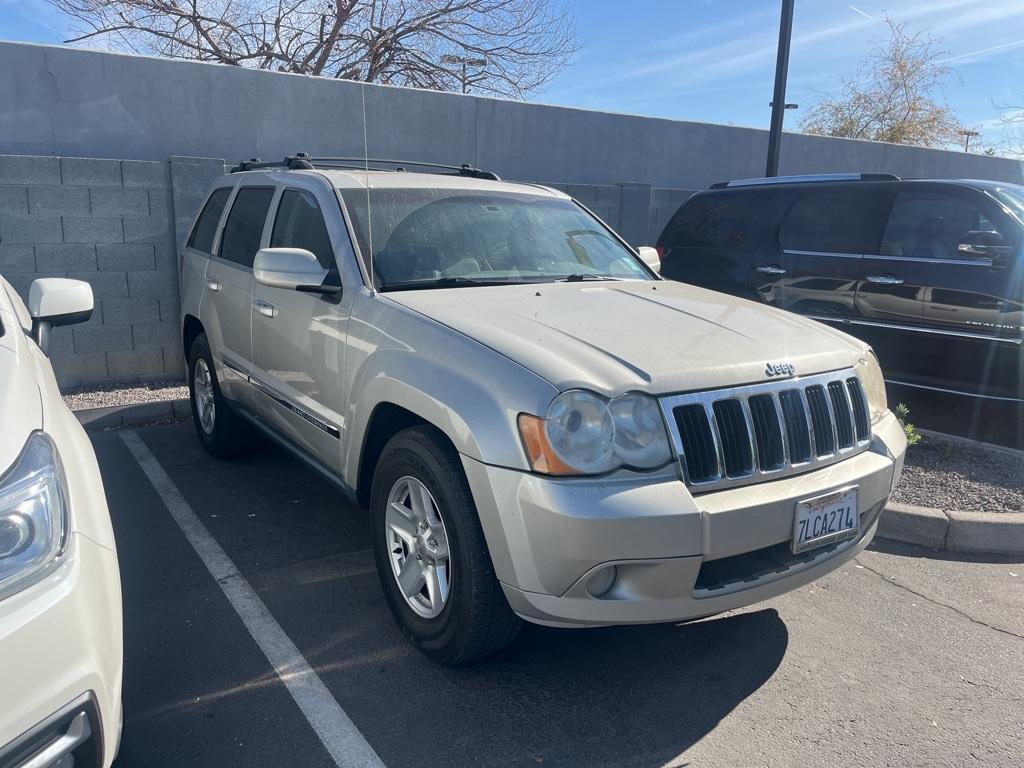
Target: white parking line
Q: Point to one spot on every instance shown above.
(339, 735)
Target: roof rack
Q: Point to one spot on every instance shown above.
(302, 161)
(811, 177)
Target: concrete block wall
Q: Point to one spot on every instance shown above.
(111, 223)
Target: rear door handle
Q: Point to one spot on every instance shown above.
(771, 270)
(265, 308)
(885, 280)
(213, 285)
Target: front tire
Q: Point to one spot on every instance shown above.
(221, 431)
(431, 556)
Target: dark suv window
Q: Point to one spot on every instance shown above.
(831, 221)
(206, 225)
(244, 227)
(722, 222)
(931, 225)
(300, 224)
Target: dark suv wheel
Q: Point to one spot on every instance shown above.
(431, 556)
(222, 432)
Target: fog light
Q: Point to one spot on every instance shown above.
(601, 582)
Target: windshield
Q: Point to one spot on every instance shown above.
(427, 238)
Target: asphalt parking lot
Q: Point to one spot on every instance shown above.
(899, 658)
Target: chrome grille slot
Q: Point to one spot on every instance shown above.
(734, 438)
(749, 434)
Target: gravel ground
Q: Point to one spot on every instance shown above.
(961, 476)
(107, 396)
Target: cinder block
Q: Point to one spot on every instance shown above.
(66, 258)
(118, 201)
(635, 194)
(62, 341)
(194, 173)
(16, 259)
(90, 172)
(129, 311)
(143, 173)
(102, 338)
(136, 362)
(124, 257)
(105, 285)
(13, 200)
(148, 229)
(160, 203)
(170, 311)
(58, 200)
(153, 285)
(29, 169)
(152, 335)
(166, 257)
(75, 369)
(174, 361)
(16, 229)
(93, 229)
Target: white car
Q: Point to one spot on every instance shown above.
(60, 589)
(541, 428)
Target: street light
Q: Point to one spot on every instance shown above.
(779, 100)
(465, 62)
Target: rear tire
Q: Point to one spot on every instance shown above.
(223, 433)
(472, 619)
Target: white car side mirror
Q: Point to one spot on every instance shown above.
(294, 269)
(55, 301)
(650, 257)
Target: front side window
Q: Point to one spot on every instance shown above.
(206, 225)
(300, 224)
(422, 238)
(244, 228)
(831, 221)
(931, 226)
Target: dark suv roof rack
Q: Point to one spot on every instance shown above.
(811, 177)
(302, 161)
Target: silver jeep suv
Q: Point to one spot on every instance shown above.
(541, 428)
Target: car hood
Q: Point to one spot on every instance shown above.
(21, 407)
(657, 337)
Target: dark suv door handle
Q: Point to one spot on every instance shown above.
(771, 270)
(885, 280)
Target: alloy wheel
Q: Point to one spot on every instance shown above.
(202, 387)
(418, 547)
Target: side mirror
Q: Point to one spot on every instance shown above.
(55, 301)
(983, 244)
(650, 257)
(294, 269)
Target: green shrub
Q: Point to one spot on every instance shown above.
(903, 416)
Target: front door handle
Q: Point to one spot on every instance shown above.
(213, 285)
(885, 280)
(265, 308)
(771, 270)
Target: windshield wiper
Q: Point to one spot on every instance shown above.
(580, 277)
(443, 282)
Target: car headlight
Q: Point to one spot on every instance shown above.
(874, 385)
(33, 515)
(586, 434)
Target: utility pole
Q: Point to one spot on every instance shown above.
(968, 134)
(466, 63)
(779, 100)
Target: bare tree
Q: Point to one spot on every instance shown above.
(894, 96)
(516, 46)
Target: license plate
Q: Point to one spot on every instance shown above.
(825, 520)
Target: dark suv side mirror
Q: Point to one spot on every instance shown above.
(984, 244)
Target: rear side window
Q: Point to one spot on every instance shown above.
(932, 225)
(206, 225)
(723, 222)
(244, 228)
(300, 224)
(832, 221)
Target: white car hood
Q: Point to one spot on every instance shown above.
(21, 406)
(656, 337)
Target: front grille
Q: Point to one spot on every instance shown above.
(749, 434)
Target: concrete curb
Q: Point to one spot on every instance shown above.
(980, 533)
(118, 416)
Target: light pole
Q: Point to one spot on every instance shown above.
(968, 134)
(779, 100)
(465, 62)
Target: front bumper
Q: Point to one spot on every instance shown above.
(676, 556)
(61, 658)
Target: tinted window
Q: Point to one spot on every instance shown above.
(206, 225)
(831, 221)
(723, 222)
(931, 226)
(244, 227)
(300, 224)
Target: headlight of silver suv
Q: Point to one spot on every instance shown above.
(584, 433)
(870, 373)
(33, 515)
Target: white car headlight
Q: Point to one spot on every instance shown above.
(586, 434)
(33, 515)
(874, 385)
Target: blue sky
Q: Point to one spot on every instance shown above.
(713, 60)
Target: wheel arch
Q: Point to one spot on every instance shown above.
(191, 328)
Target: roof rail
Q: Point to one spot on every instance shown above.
(811, 177)
(302, 161)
